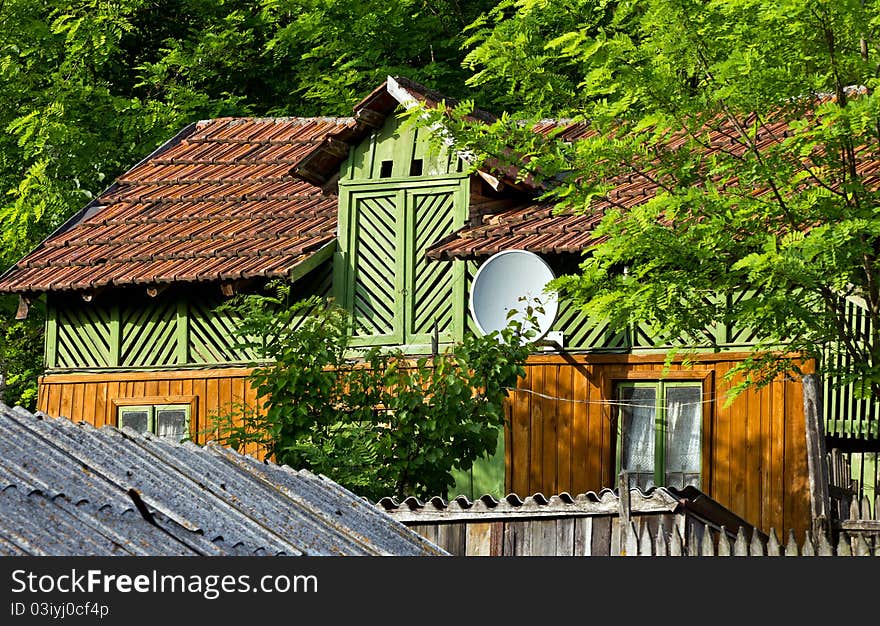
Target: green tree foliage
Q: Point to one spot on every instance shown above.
(91, 87)
(376, 421)
(755, 120)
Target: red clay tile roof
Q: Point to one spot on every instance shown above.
(532, 227)
(535, 227)
(219, 204)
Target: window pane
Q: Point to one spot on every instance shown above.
(136, 419)
(683, 422)
(637, 435)
(171, 424)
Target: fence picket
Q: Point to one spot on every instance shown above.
(825, 548)
(631, 545)
(723, 543)
(707, 548)
(660, 547)
(645, 541)
(773, 547)
(843, 548)
(809, 546)
(756, 546)
(675, 543)
(854, 512)
(740, 547)
(791, 547)
(861, 547)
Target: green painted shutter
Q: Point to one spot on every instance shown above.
(376, 282)
(433, 298)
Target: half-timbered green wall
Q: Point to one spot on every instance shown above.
(128, 329)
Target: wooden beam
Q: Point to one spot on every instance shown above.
(336, 148)
(23, 308)
(371, 118)
(182, 332)
(115, 335)
(311, 262)
(227, 289)
(820, 503)
(138, 375)
(623, 512)
(51, 334)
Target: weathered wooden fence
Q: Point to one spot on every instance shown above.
(852, 509)
(585, 525)
(572, 537)
(644, 544)
(660, 522)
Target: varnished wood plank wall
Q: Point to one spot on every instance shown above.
(90, 397)
(562, 434)
(562, 430)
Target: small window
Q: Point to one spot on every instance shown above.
(415, 168)
(168, 421)
(659, 442)
(385, 169)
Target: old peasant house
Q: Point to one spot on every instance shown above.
(362, 209)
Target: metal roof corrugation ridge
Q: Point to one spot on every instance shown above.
(176, 482)
(56, 434)
(293, 523)
(81, 529)
(185, 501)
(327, 496)
(537, 505)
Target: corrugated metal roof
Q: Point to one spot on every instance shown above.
(73, 489)
(605, 502)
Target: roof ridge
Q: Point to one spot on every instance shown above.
(273, 119)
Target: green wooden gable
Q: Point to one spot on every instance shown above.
(396, 198)
(126, 329)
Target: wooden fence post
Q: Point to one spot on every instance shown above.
(624, 516)
(820, 505)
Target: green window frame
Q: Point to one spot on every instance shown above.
(166, 421)
(659, 437)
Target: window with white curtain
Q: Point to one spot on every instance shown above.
(659, 433)
(168, 421)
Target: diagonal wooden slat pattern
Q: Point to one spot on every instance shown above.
(374, 282)
(212, 337)
(148, 333)
(737, 335)
(578, 333)
(83, 336)
(432, 280)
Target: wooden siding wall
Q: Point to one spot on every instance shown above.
(90, 397)
(562, 434)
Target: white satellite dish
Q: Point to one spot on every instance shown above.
(513, 279)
